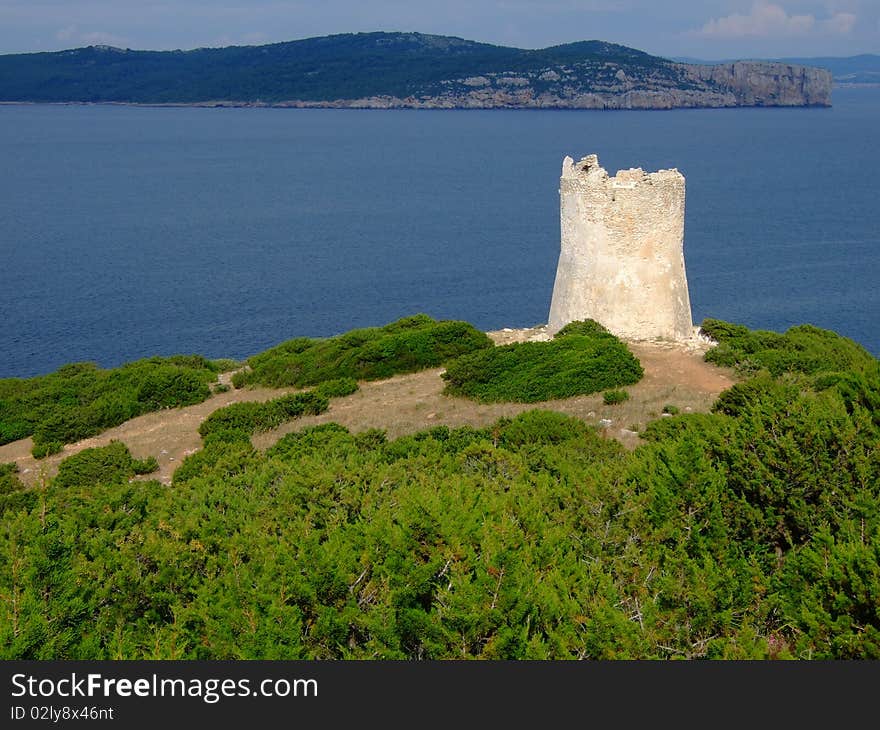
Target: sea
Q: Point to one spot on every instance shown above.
(128, 232)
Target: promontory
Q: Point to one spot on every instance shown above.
(405, 70)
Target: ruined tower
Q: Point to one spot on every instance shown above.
(622, 259)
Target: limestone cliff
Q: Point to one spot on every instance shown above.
(756, 83)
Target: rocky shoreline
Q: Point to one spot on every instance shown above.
(743, 83)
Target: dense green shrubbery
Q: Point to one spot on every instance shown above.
(81, 400)
(750, 532)
(802, 349)
(42, 449)
(239, 421)
(145, 466)
(224, 364)
(227, 431)
(337, 388)
(13, 495)
(583, 358)
(831, 362)
(743, 536)
(584, 327)
(111, 464)
(9, 481)
(410, 344)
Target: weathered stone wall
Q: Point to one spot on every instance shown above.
(622, 259)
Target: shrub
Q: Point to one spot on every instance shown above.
(613, 397)
(752, 532)
(42, 449)
(337, 388)
(803, 349)
(80, 400)
(670, 409)
(410, 344)
(9, 481)
(528, 372)
(585, 327)
(329, 439)
(20, 500)
(540, 427)
(170, 387)
(228, 459)
(145, 466)
(237, 422)
(221, 388)
(111, 464)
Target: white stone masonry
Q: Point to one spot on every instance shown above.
(622, 258)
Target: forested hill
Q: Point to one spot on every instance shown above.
(383, 70)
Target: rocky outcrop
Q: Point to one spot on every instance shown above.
(757, 83)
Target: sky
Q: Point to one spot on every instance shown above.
(707, 29)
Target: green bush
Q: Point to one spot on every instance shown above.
(410, 344)
(584, 327)
(328, 438)
(540, 427)
(9, 481)
(670, 409)
(111, 464)
(237, 422)
(145, 466)
(802, 349)
(229, 458)
(528, 372)
(42, 449)
(80, 400)
(691, 426)
(171, 387)
(613, 397)
(337, 388)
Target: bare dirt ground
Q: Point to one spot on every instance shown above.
(675, 375)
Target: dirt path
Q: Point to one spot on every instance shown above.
(407, 403)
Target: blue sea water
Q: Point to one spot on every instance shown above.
(128, 232)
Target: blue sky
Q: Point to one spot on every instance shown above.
(711, 29)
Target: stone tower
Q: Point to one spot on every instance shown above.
(622, 257)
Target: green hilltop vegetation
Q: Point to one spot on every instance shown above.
(582, 358)
(409, 344)
(752, 531)
(81, 400)
(344, 66)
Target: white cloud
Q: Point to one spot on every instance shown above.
(768, 20)
(841, 23)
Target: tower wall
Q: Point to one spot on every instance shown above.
(622, 258)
